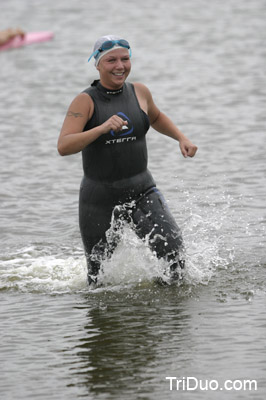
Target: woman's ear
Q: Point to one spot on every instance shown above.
(97, 67)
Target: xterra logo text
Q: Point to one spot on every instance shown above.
(121, 140)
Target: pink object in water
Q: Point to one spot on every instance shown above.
(29, 38)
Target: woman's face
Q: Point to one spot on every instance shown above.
(114, 68)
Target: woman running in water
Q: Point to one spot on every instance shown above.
(108, 122)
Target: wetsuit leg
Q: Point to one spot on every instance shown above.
(98, 239)
(153, 220)
(95, 220)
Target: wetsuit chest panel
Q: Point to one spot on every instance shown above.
(116, 155)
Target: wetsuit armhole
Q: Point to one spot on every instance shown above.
(92, 122)
(143, 113)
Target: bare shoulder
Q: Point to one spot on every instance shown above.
(144, 96)
(79, 112)
(141, 89)
(146, 101)
(80, 106)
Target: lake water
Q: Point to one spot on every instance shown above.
(204, 62)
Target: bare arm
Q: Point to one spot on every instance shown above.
(163, 124)
(72, 139)
(9, 34)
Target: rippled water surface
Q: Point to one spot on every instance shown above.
(204, 63)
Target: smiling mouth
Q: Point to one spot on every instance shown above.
(118, 74)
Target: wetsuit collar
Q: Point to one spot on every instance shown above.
(104, 90)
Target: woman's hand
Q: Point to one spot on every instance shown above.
(188, 149)
(114, 123)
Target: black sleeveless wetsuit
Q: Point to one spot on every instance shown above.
(118, 185)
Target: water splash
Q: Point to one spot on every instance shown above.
(208, 231)
(29, 270)
(41, 269)
(131, 263)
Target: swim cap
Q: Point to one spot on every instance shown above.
(98, 44)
